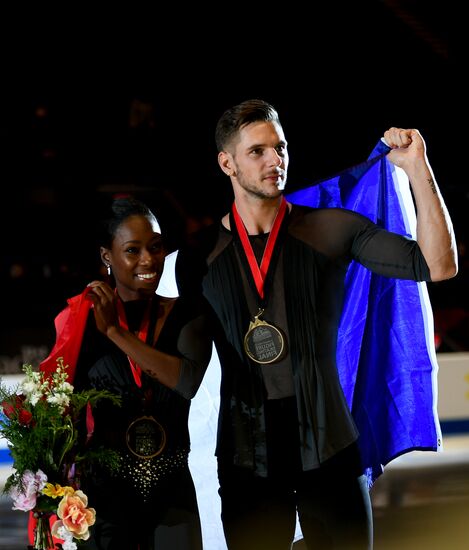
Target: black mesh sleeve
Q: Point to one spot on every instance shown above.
(390, 254)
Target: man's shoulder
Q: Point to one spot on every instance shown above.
(309, 214)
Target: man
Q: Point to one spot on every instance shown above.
(274, 274)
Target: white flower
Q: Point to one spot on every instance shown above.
(67, 538)
(60, 399)
(64, 387)
(33, 386)
(29, 387)
(34, 397)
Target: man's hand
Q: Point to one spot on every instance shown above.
(408, 147)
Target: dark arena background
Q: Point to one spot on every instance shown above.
(99, 104)
(90, 110)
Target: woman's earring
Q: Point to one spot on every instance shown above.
(108, 266)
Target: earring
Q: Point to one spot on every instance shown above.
(108, 267)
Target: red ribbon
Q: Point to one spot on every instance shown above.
(142, 335)
(259, 273)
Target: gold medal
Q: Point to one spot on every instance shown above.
(263, 342)
(145, 437)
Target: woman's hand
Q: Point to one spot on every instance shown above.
(104, 306)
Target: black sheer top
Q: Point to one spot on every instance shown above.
(305, 301)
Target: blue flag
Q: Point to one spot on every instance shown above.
(385, 355)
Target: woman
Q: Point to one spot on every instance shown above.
(153, 352)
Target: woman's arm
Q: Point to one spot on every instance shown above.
(182, 373)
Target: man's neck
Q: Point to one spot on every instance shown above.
(258, 216)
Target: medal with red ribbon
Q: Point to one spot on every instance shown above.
(263, 343)
(145, 436)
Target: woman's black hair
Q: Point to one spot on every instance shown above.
(118, 211)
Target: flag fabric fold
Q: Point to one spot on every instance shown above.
(385, 355)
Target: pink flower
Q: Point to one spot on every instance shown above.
(25, 494)
(75, 515)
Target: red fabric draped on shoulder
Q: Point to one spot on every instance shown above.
(69, 326)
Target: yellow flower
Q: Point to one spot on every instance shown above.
(56, 490)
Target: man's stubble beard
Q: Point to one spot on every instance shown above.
(258, 192)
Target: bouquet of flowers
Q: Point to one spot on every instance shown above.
(40, 420)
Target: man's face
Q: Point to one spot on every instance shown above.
(258, 160)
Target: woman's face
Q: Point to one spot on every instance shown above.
(137, 257)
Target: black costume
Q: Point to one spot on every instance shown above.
(149, 502)
(285, 420)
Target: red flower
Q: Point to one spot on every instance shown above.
(8, 409)
(25, 417)
(11, 410)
